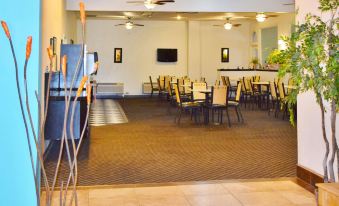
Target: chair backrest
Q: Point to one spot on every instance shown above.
(238, 94)
(223, 79)
(159, 84)
(281, 90)
(243, 87)
(177, 94)
(219, 95)
(187, 89)
(273, 90)
(167, 79)
(181, 82)
(290, 84)
(248, 84)
(217, 82)
(198, 86)
(202, 79)
(228, 82)
(150, 79)
(257, 78)
(169, 88)
(162, 82)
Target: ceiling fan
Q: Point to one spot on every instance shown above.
(261, 16)
(129, 24)
(151, 4)
(228, 25)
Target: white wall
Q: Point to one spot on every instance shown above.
(311, 147)
(199, 50)
(139, 51)
(215, 38)
(283, 22)
(56, 22)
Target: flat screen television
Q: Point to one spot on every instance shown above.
(167, 55)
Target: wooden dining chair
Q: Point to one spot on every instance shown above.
(193, 107)
(274, 99)
(187, 90)
(219, 102)
(154, 89)
(223, 80)
(236, 103)
(290, 84)
(282, 99)
(198, 96)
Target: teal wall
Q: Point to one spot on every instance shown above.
(16, 177)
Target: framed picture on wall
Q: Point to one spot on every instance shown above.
(225, 55)
(117, 55)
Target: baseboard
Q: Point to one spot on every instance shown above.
(308, 179)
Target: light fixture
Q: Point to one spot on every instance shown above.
(228, 26)
(261, 17)
(149, 5)
(129, 25)
(178, 17)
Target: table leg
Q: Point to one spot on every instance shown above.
(207, 115)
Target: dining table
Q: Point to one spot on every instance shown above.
(260, 84)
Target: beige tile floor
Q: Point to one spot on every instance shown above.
(219, 193)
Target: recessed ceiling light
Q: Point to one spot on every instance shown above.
(179, 17)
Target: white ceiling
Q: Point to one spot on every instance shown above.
(168, 16)
(188, 6)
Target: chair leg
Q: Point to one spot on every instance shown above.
(180, 116)
(240, 114)
(221, 116)
(228, 118)
(236, 111)
(212, 115)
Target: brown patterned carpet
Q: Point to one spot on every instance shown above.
(150, 148)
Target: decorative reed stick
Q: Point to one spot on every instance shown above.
(68, 96)
(64, 139)
(89, 91)
(75, 164)
(39, 152)
(6, 30)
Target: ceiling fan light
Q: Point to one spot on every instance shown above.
(149, 5)
(228, 26)
(129, 25)
(261, 17)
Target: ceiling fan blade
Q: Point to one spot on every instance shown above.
(120, 25)
(236, 25)
(273, 15)
(160, 1)
(138, 25)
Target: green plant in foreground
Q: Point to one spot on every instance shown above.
(312, 59)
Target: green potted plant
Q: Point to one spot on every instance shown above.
(254, 63)
(275, 59)
(312, 58)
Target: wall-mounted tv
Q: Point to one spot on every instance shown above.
(167, 55)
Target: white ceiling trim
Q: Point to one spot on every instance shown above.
(188, 6)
